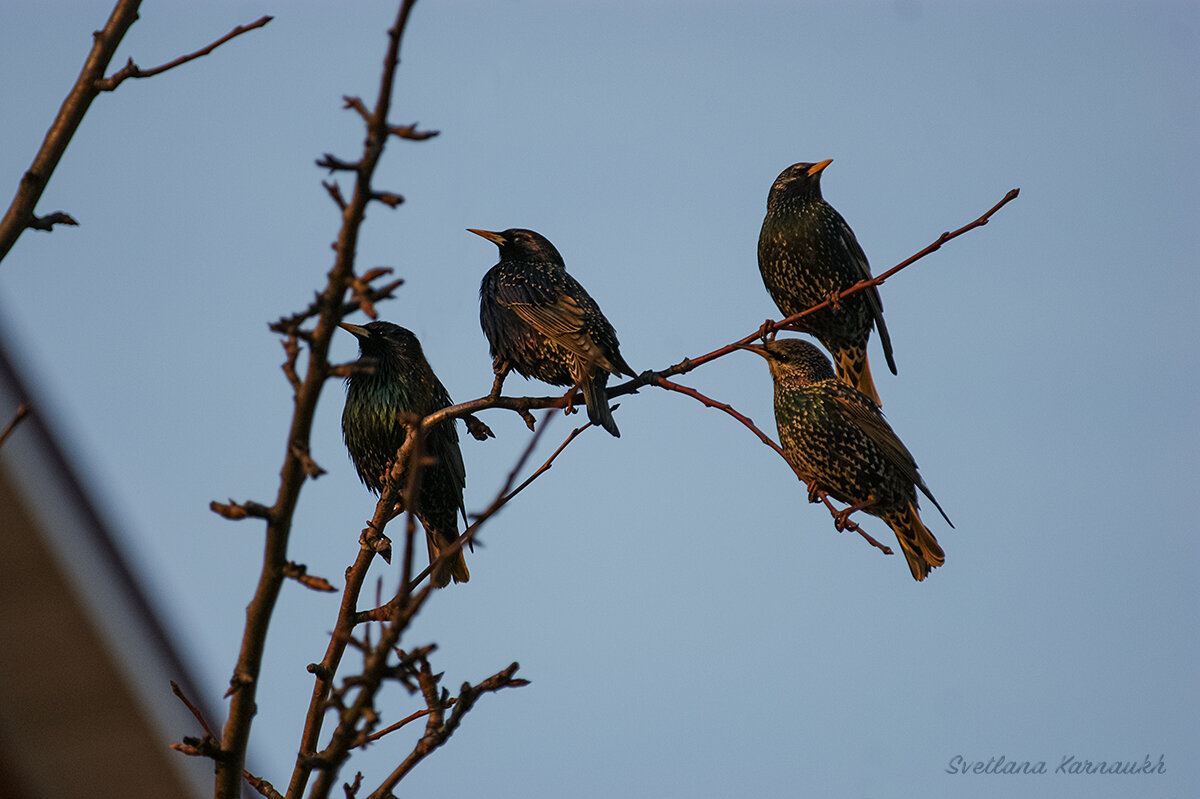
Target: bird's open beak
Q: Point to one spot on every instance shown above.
(358, 330)
(494, 238)
(815, 169)
(758, 348)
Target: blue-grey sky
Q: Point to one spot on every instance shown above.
(690, 624)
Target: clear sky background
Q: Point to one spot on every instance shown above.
(690, 624)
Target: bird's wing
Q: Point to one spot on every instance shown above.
(869, 419)
(863, 414)
(442, 442)
(862, 271)
(556, 315)
(443, 437)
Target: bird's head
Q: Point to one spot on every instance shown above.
(798, 182)
(793, 361)
(519, 244)
(379, 339)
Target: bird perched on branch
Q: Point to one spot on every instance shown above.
(540, 321)
(836, 436)
(807, 254)
(390, 378)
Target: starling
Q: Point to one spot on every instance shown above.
(541, 322)
(393, 377)
(806, 254)
(837, 436)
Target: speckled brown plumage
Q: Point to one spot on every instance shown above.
(806, 253)
(837, 436)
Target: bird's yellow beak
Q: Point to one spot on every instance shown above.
(815, 169)
(494, 238)
(358, 330)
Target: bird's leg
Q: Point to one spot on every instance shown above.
(478, 430)
(571, 395)
(376, 541)
(767, 332)
(841, 519)
(500, 368)
(813, 490)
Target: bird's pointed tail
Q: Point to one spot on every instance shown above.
(595, 394)
(455, 567)
(854, 370)
(921, 549)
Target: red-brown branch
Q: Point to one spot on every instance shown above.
(688, 364)
(503, 497)
(841, 517)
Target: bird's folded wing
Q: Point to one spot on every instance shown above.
(870, 420)
(559, 318)
(866, 417)
(862, 271)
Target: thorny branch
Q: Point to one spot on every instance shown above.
(20, 215)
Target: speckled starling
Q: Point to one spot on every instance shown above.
(837, 436)
(806, 253)
(541, 322)
(393, 377)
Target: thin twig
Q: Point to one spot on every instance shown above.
(439, 729)
(503, 497)
(329, 306)
(20, 214)
(838, 514)
(132, 70)
(688, 364)
(22, 412)
(91, 82)
(208, 746)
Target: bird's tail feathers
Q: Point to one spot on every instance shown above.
(855, 370)
(595, 394)
(921, 549)
(885, 341)
(455, 566)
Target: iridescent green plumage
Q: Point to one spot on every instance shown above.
(837, 436)
(541, 322)
(806, 253)
(390, 378)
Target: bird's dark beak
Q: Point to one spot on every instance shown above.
(815, 169)
(757, 348)
(358, 330)
(494, 238)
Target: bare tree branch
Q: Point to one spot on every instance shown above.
(20, 215)
(438, 729)
(207, 747)
(688, 364)
(132, 70)
(841, 518)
